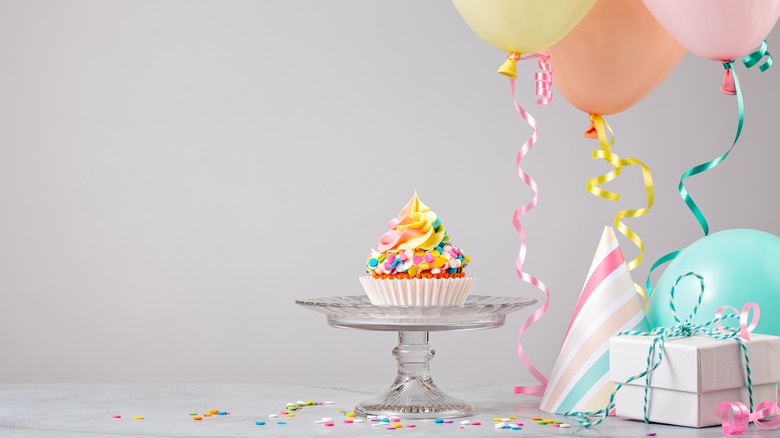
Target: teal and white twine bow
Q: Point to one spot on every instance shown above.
(655, 354)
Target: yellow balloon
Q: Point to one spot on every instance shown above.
(522, 26)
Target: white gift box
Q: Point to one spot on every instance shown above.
(696, 375)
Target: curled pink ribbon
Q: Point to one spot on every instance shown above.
(543, 78)
(746, 325)
(735, 416)
(543, 90)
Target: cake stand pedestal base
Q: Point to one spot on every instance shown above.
(413, 394)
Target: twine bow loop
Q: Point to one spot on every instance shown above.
(681, 329)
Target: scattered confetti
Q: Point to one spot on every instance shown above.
(197, 418)
(438, 420)
(565, 425)
(500, 425)
(260, 423)
(116, 416)
(650, 434)
(536, 418)
(272, 416)
(475, 423)
(465, 422)
(138, 417)
(280, 422)
(411, 426)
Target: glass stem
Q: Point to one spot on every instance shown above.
(413, 354)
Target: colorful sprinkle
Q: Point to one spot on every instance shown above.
(329, 424)
(348, 421)
(116, 416)
(197, 418)
(464, 422)
(475, 423)
(272, 416)
(260, 423)
(280, 422)
(650, 434)
(138, 417)
(330, 402)
(411, 426)
(500, 425)
(536, 418)
(565, 425)
(448, 421)
(438, 421)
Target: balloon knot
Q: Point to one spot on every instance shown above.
(509, 68)
(591, 131)
(728, 86)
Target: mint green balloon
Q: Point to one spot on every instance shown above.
(737, 265)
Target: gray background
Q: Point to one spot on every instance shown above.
(174, 174)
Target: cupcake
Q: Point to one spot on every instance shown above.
(415, 263)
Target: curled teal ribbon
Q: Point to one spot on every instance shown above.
(655, 354)
(749, 61)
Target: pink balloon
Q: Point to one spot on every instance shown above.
(720, 30)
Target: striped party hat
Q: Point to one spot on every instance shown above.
(608, 304)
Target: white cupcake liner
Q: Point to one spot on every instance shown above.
(417, 291)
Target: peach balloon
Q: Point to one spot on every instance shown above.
(614, 57)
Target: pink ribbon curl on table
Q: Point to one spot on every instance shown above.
(746, 325)
(735, 416)
(544, 91)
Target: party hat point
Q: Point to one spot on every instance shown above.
(608, 304)
(509, 68)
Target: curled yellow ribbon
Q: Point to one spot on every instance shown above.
(605, 152)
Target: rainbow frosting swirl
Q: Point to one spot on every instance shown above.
(416, 245)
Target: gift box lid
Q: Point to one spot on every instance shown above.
(696, 364)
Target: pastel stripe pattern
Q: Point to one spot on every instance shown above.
(608, 304)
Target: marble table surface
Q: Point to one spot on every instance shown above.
(85, 410)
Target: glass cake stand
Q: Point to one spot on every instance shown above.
(413, 394)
